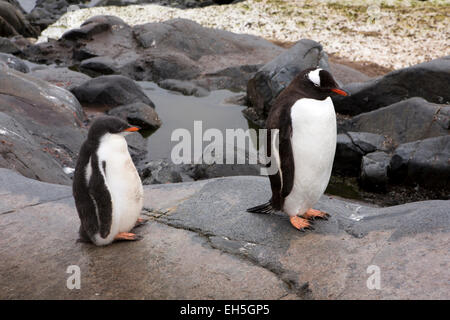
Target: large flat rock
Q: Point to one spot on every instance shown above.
(200, 243)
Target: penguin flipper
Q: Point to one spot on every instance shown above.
(262, 208)
(100, 193)
(286, 153)
(84, 202)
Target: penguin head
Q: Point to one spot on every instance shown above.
(321, 82)
(107, 124)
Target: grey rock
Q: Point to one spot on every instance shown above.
(8, 46)
(139, 114)
(50, 114)
(374, 171)
(98, 66)
(62, 77)
(232, 78)
(177, 254)
(276, 75)
(21, 152)
(163, 171)
(13, 22)
(137, 147)
(352, 146)
(13, 62)
(429, 80)
(93, 26)
(185, 87)
(405, 121)
(46, 12)
(424, 162)
(109, 92)
(175, 49)
(206, 246)
(344, 74)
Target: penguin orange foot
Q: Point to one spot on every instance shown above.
(140, 222)
(313, 214)
(301, 223)
(127, 236)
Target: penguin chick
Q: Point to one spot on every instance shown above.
(303, 146)
(107, 189)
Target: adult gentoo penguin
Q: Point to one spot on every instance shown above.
(107, 188)
(305, 118)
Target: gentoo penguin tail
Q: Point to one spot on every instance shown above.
(262, 208)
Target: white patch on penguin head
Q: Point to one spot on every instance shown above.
(314, 77)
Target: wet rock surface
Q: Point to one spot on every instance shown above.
(428, 80)
(139, 114)
(425, 162)
(62, 77)
(404, 121)
(53, 119)
(175, 49)
(200, 232)
(276, 75)
(109, 92)
(13, 22)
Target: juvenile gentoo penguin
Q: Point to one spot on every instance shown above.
(305, 118)
(106, 186)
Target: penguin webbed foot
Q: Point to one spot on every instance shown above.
(313, 214)
(140, 222)
(301, 224)
(127, 236)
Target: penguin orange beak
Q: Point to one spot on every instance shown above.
(339, 91)
(132, 129)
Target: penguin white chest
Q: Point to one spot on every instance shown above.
(122, 181)
(313, 145)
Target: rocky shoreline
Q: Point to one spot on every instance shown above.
(392, 130)
(162, 68)
(199, 243)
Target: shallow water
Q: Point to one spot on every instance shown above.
(179, 111)
(27, 5)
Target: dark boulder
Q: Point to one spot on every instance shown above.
(61, 77)
(429, 80)
(98, 66)
(163, 171)
(13, 22)
(175, 49)
(8, 46)
(50, 114)
(405, 121)
(424, 162)
(374, 171)
(187, 88)
(137, 147)
(19, 151)
(93, 26)
(46, 12)
(107, 92)
(139, 114)
(13, 62)
(232, 78)
(344, 74)
(276, 75)
(352, 146)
